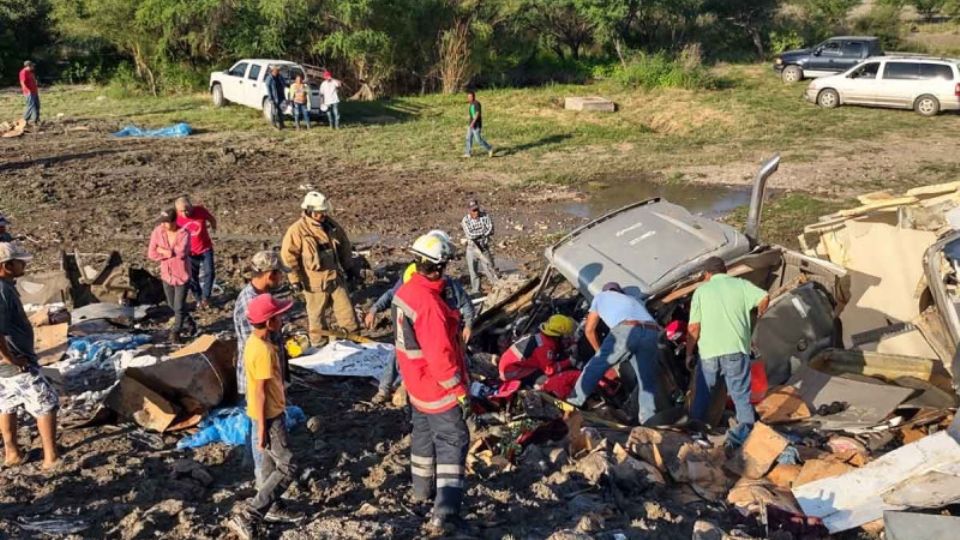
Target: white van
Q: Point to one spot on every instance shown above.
(925, 84)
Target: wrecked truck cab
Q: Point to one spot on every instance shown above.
(655, 250)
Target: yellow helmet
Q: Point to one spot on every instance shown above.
(408, 272)
(558, 326)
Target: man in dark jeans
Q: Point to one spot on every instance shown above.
(28, 86)
(720, 327)
(276, 90)
(198, 221)
(475, 127)
(266, 405)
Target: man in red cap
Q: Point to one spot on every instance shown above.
(266, 403)
(331, 99)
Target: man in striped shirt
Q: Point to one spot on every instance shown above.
(478, 227)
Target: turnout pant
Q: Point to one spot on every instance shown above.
(317, 304)
(480, 262)
(273, 466)
(624, 343)
(438, 457)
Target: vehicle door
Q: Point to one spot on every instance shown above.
(937, 79)
(898, 83)
(253, 86)
(860, 84)
(851, 54)
(232, 82)
(824, 57)
(940, 323)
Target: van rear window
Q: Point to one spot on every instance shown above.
(936, 71)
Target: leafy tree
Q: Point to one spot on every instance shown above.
(753, 17)
(832, 13)
(928, 9)
(24, 29)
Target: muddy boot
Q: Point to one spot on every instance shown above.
(448, 526)
(281, 514)
(381, 397)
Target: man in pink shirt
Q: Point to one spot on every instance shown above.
(197, 221)
(28, 85)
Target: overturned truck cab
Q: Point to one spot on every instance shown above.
(655, 249)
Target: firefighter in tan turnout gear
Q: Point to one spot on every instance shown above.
(432, 362)
(318, 252)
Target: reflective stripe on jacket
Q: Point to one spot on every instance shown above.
(429, 351)
(531, 354)
(316, 254)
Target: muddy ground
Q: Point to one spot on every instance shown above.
(86, 191)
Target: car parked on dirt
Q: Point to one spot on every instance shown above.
(244, 84)
(925, 84)
(835, 55)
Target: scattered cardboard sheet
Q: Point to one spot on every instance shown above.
(860, 496)
(783, 405)
(758, 452)
(867, 404)
(51, 342)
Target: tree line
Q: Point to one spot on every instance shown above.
(388, 47)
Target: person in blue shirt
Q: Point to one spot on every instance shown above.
(632, 338)
(276, 91)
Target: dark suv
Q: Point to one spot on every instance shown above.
(834, 55)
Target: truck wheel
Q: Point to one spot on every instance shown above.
(268, 110)
(217, 93)
(828, 98)
(791, 74)
(927, 105)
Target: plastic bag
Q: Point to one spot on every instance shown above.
(174, 131)
(231, 426)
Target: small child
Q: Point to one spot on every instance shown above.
(266, 402)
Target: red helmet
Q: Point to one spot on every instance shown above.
(327, 75)
(265, 307)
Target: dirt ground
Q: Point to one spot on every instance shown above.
(86, 191)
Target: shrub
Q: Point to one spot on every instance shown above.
(661, 71)
(883, 21)
(786, 41)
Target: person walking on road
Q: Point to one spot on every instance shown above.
(21, 382)
(170, 246)
(331, 98)
(720, 328)
(198, 221)
(319, 254)
(632, 338)
(266, 406)
(433, 365)
(28, 86)
(478, 227)
(276, 91)
(265, 274)
(299, 95)
(5, 235)
(475, 127)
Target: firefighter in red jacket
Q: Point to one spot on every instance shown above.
(541, 359)
(433, 365)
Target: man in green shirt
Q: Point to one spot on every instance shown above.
(475, 127)
(720, 326)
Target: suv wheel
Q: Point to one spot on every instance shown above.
(828, 98)
(791, 74)
(217, 93)
(927, 105)
(268, 110)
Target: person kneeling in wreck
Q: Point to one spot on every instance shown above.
(633, 338)
(542, 360)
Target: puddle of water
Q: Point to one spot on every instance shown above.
(707, 200)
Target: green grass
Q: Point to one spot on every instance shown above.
(537, 140)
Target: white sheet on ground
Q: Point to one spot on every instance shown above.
(348, 359)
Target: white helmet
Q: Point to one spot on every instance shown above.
(433, 247)
(316, 202)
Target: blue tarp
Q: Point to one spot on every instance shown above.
(176, 131)
(99, 347)
(231, 425)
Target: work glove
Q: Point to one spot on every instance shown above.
(466, 409)
(296, 287)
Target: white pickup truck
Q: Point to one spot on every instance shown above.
(244, 84)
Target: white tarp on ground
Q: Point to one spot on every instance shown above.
(348, 359)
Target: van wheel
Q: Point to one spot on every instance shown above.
(791, 74)
(268, 110)
(828, 98)
(927, 106)
(217, 93)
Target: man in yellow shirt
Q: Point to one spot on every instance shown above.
(266, 402)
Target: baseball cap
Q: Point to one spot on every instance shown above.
(167, 215)
(28, 63)
(473, 204)
(327, 75)
(267, 261)
(13, 251)
(265, 307)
